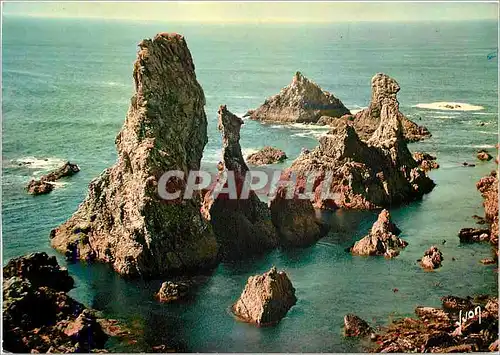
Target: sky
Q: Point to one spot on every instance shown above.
(241, 12)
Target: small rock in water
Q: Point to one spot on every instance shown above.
(46, 182)
(267, 155)
(487, 261)
(484, 155)
(355, 326)
(171, 292)
(266, 298)
(432, 258)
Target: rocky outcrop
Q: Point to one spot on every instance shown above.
(437, 331)
(382, 240)
(266, 298)
(300, 102)
(294, 218)
(471, 235)
(484, 155)
(172, 291)
(425, 161)
(46, 182)
(243, 226)
(123, 221)
(355, 174)
(432, 258)
(384, 93)
(267, 155)
(355, 326)
(488, 187)
(38, 315)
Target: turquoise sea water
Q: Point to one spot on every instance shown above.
(66, 89)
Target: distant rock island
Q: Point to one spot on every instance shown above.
(302, 101)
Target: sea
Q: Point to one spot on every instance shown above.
(66, 88)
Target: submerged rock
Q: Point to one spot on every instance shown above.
(484, 155)
(46, 182)
(354, 174)
(267, 155)
(123, 220)
(382, 240)
(355, 326)
(425, 161)
(300, 102)
(38, 315)
(384, 93)
(242, 226)
(266, 298)
(432, 258)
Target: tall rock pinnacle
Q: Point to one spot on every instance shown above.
(123, 221)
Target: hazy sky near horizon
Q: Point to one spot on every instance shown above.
(228, 12)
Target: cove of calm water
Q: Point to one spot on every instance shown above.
(66, 90)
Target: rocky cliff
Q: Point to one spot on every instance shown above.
(123, 221)
(302, 101)
(384, 95)
(242, 226)
(488, 186)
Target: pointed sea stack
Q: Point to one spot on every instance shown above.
(242, 226)
(123, 221)
(364, 175)
(382, 240)
(300, 102)
(384, 94)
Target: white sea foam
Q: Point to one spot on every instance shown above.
(310, 126)
(247, 151)
(449, 106)
(309, 134)
(356, 110)
(487, 132)
(485, 113)
(480, 146)
(37, 163)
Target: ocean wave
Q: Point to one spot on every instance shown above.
(487, 132)
(36, 163)
(309, 134)
(485, 113)
(309, 126)
(449, 106)
(478, 146)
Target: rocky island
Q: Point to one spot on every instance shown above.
(303, 101)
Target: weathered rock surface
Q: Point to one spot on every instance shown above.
(267, 155)
(123, 221)
(46, 182)
(484, 155)
(438, 331)
(173, 291)
(294, 218)
(488, 187)
(38, 315)
(366, 122)
(242, 226)
(382, 240)
(364, 175)
(300, 102)
(471, 235)
(266, 298)
(355, 326)
(432, 258)
(425, 161)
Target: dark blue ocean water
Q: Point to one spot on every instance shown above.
(66, 89)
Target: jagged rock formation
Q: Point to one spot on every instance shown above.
(300, 102)
(382, 240)
(123, 221)
(366, 122)
(355, 326)
(46, 182)
(38, 315)
(364, 175)
(267, 155)
(266, 298)
(432, 258)
(425, 161)
(242, 226)
(441, 331)
(471, 235)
